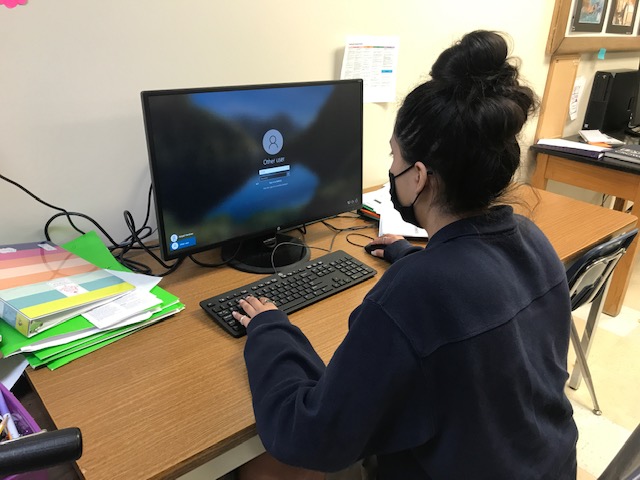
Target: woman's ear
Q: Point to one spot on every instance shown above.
(424, 176)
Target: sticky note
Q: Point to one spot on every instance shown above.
(602, 53)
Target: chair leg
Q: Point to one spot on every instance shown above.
(589, 331)
(582, 362)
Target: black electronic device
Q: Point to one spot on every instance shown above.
(634, 122)
(612, 101)
(236, 167)
(292, 288)
(370, 247)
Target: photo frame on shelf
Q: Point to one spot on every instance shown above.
(622, 16)
(564, 40)
(589, 16)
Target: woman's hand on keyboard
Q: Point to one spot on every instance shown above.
(252, 306)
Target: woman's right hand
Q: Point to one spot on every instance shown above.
(382, 242)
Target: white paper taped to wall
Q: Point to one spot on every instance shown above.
(374, 60)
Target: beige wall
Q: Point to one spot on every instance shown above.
(71, 72)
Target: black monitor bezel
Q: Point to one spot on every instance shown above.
(165, 252)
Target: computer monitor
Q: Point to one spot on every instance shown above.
(236, 167)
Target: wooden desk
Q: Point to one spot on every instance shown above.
(612, 178)
(174, 396)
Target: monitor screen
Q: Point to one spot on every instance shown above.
(234, 166)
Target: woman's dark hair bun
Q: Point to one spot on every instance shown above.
(479, 57)
(464, 122)
(477, 69)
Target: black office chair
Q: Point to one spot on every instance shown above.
(626, 464)
(39, 451)
(589, 278)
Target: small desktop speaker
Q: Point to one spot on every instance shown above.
(612, 101)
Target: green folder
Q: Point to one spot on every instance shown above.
(45, 353)
(73, 350)
(91, 248)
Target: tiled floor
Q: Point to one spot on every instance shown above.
(614, 362)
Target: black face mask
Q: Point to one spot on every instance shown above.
(407, 213)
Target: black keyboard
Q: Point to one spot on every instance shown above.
(291, 289)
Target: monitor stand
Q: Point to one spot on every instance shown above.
(254, 255)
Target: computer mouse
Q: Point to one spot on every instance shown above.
(374, 246)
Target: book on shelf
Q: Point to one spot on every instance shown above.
(575, 148)
(627, 153)
(42, 285)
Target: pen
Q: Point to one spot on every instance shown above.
(11, 426)
(5, 419)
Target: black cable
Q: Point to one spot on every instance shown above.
(220, 264)
(303, 231)
(347, 229)
(133, 242)
(338, 231)
(135, 239)
(77, 214)
(633, 131)
(303, 245)
(12, 182)
(209, 265)
(358, 235)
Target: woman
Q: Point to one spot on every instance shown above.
(455, 363)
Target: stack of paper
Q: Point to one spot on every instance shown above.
(379, 202)
(596, 137)
(144, 305)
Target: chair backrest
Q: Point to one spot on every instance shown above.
(626, 464)
(588, 275)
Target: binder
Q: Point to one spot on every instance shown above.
(42, 285)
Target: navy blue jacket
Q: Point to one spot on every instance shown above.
(454, 365)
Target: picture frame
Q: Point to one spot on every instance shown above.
(559, 42)
(622, 16)
(589, 16)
